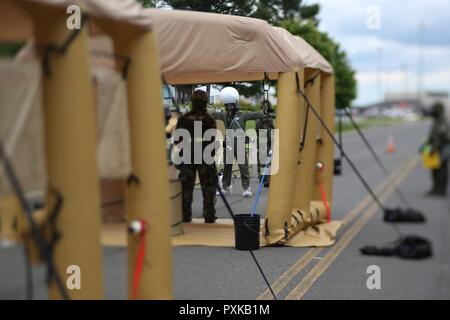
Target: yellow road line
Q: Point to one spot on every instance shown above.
(299, 291)
(298, 266)
(284, 279)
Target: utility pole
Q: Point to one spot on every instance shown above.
(420, 59)
(380, 74)
(404, 77)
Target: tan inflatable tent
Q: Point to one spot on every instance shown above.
(311, 200)
(70, 139)
(193, 48)
(204, 48)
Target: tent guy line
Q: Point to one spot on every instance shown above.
(279, 284)
(308, 281)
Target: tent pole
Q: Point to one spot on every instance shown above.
(148, 198)
(303, 194)
(70, 137)
(325, 150)
(285, 156)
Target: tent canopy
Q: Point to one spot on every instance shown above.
(304, 51)
(197, 47)
(16, 24)
(128, 11)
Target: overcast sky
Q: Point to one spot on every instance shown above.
(392, 44)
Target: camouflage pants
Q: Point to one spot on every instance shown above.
(208, 181)
(243, 168)
(440, 178)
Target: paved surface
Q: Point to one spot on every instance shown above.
(338, 272)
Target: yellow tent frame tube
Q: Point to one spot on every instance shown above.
(148, 199)
(71, 152)
(325, 150)
(285, 157)
(303, 194)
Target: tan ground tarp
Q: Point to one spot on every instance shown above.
(221, 234)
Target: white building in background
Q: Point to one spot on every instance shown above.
(431, 97)
(399, 104)
(424, 100)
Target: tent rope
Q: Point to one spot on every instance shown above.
(375, 156)
(230, 211)
(44, 249)
(344, 154)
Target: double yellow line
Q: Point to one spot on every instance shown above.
(384, 190)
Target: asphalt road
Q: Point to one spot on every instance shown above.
(338, 272)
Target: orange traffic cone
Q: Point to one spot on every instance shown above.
(390, 145)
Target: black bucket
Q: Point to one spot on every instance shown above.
(246, 231)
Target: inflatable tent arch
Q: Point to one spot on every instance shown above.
(257, 49)
(311, 199)
(70, 136)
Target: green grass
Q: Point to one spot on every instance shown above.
(369, 122)
(9, 49)
(347, 126)
(250, 125)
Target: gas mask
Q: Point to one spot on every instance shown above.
(266, 107)
(231, 108)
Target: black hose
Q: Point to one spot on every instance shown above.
(230, 211)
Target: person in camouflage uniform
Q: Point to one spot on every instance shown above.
(264, 124)
(207, 172)
(439, 140)
(235, 119)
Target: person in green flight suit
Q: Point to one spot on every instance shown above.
(234, 119)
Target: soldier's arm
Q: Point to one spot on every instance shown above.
(253, 115)
(256, 115)
(218, 115)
